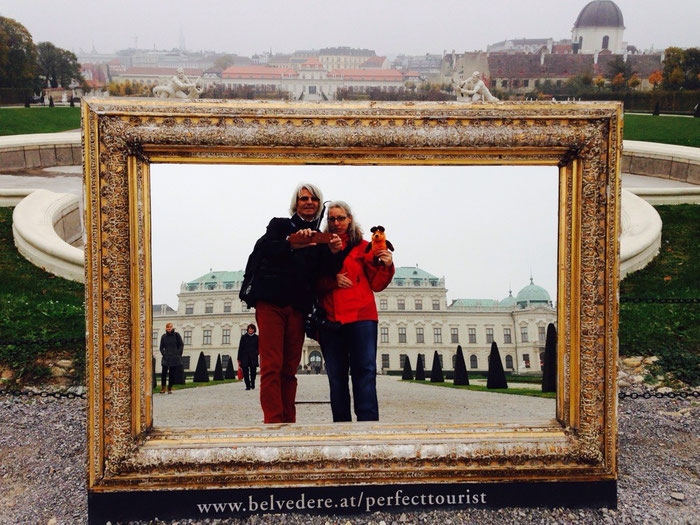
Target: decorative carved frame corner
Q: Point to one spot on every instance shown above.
(122, 137)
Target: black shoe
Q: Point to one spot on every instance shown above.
(247, 388)
(252, 387)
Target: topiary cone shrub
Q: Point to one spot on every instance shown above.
(420, 368)
(218, 370)
(201, 374)
(230, 371)
(549, 363)
(407, 371)
(496, 377)
(436, 375)
(461, 374)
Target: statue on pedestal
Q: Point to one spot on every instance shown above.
(473, 89)
(179, 87)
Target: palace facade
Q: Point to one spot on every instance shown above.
(414, 318)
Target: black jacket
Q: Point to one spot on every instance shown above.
(248, 350)
(171, 347)
(285, 276)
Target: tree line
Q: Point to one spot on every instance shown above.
(25, 65)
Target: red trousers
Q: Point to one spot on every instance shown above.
(281, 337)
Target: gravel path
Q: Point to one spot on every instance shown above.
(42, 479)
(399, 402)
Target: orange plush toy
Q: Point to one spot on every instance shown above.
(378, 243)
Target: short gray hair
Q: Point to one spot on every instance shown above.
(354, 229)
(315, 192)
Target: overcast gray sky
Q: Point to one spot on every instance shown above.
(480, 227)
(387, 26)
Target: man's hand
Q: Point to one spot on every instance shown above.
(336, 244)
(308, 232)
(343, 280)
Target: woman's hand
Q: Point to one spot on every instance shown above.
(343, 280)
(386, 257)
(336, 244)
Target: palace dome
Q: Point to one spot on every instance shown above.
(600, 13)
(508, 301)
(532, 295)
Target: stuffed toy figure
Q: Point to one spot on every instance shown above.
(378, 243)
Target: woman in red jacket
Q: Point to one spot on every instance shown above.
(349, 343)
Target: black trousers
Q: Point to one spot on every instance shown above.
(171, 373)
(249, 375)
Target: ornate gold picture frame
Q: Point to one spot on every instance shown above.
(123, 137)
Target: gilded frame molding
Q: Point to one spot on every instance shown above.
(122, 137)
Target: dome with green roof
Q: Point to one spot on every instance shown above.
(532, 295)
(414, 276)
(213, 279)
(508, 301)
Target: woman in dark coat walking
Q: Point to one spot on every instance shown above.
(171, 347)
(248, 356)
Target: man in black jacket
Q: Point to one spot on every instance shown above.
(171, 347)
(248, 356)
(284, 295)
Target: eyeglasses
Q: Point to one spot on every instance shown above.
(305, 198)
(336, 219)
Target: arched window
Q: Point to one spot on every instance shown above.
(473, 361)
(606, 41)
(509, 361)
(580, 42)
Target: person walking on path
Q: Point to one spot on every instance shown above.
(248, 356)
(171, 347)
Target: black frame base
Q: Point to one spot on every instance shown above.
(237, 503)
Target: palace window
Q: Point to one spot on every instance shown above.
(454, 335)
(419, 304)
(402, 360)
(473, 361)
(225, 358)
(436, 304)
(206, 339)
(227, 307)
(526, 360)
(523, 334)
(509, 361)
(187, 337)
(384, 334)
(385, 361)
(189, 309)
(526, 83)
(186, 362)
(472, 335)
(489, 335)
(155, 338)
(402, 334)
(437, 335)
(419, 335)
(209, 308)
(541, 334)
(606, 41)
(506, 336)
(401, 304)
(383, 304)
(226, 336)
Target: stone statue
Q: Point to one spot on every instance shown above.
(474, 89)
(179, 87)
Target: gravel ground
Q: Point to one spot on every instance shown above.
(42, 479)
(231, 404)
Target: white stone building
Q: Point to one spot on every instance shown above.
(414, 318)
(599, 27)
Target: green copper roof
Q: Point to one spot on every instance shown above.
(471, 303)
(508, 301)
(219, 277)
(412, 272)
(532, 294)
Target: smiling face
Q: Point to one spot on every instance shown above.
(307, 205)
(338, 221)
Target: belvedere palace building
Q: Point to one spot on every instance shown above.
(414, 318)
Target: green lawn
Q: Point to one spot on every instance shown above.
(41, 314)
(479, 388)
(670, 331)
(20, 121)
(667, 129)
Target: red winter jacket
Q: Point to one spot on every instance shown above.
(348, 305)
